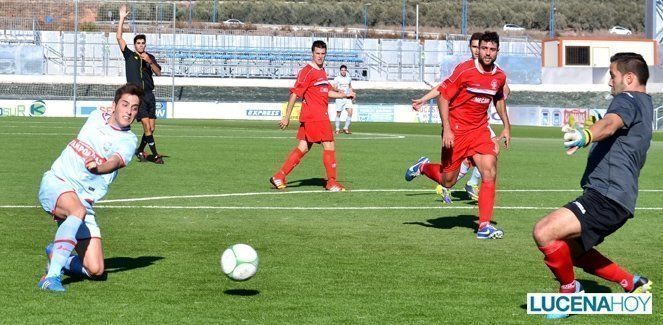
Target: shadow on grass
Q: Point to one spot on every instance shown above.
(308, 182)
(463, 196)
(464, 221)
(594, 287)
(119, 264)
(241, 292)
(455, 195)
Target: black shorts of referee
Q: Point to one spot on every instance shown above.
(148, 107)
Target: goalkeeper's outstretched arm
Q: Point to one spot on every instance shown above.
(579, 137)
(606, 127)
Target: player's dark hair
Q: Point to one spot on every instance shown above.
(632, 62)
(343, 66)
(131, 89)
(488, 37)
(318, 44)
(139, 36)
(475, 37)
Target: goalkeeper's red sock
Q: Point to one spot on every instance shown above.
(594, 263)
(558, 259)
(486, 201)
(293, 159)
(432, 171)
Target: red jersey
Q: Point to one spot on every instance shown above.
(469, 91)
(313, 87)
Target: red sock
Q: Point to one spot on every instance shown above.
(293, 159)
(594, 263)
(329, 160)
(486, 201)
(558, 258)
(432, 171)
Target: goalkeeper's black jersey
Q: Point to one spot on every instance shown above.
(614, 163)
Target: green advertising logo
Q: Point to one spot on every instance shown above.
(38, 108)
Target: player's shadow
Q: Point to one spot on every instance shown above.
(456, 196)
(462, 195)
(594, 287)
(317, 182)
(241, 292)
(463, 221)
(119, 264)
(590, 286)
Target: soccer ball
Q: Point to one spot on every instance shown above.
(239, 262)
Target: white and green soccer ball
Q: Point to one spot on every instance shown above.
(239, 262)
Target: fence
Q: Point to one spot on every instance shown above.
(77, 39)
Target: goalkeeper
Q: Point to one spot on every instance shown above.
(567, 236)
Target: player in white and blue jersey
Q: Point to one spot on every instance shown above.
(79, 178)
(343, 84)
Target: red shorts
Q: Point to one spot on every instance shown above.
(466, 145)
(318, 131)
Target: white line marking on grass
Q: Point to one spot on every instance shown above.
(199, 196)
(41, 126)
(386, 137)
(211, 207)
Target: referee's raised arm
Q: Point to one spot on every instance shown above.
(123, 14)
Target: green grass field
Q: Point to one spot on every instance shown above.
(386, 252)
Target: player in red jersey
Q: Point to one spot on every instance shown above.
(314, 88)
(464, 100)
(472, 185)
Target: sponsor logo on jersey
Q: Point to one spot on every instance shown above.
(481, 100)
(86, 152)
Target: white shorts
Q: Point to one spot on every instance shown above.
(50, 190)
(344, 103)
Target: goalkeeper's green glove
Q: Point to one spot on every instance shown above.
(575, 138)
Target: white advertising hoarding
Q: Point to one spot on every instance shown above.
(518, 115)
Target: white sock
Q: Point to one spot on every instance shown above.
(64, 243)
(347, 122)
(338, 122)
(476, 178)
(464, 167)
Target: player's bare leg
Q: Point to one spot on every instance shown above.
(329, 160)
(93, 258)
(487, 165)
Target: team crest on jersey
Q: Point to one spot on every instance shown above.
(493, 84)
(107, 147)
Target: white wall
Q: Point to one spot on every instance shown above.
(643, 47)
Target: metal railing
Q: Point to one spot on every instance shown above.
(658, 118)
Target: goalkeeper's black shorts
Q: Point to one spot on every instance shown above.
(599, 217)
